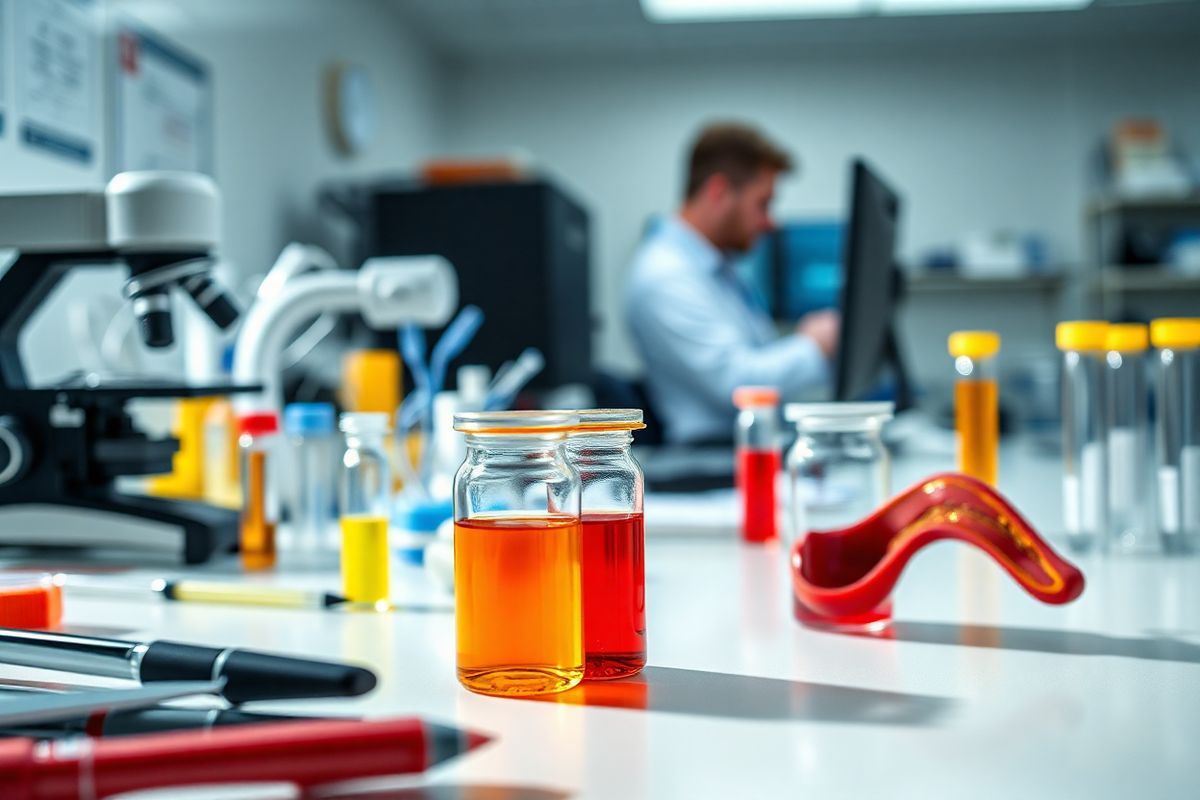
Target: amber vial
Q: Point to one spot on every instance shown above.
(517, 555)
(976, 403)
(258, 433)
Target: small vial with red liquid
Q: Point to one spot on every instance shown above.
(614, 582)
(758, 459)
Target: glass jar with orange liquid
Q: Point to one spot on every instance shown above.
(614, 573)
(976, 403)
(257, 435)
(518, 549)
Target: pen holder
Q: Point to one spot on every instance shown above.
(843, 579)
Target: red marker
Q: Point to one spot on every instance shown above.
(307, 754)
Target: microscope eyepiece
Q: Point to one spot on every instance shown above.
(212, 299)
(151, 277)
(153, 312)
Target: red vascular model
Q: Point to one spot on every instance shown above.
(844, 578)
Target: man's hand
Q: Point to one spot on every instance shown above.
(823, 328)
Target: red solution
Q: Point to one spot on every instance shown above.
(756, 471)
(614, 595)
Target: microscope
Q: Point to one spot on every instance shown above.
(63, 446)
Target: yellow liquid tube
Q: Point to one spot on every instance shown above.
(365, 578)
(976, 403)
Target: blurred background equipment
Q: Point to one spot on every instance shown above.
(521, 248)
(64, 445)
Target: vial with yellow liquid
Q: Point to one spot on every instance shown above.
(365, 509)
(976, 403)
(517, 554)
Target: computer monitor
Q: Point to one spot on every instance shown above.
(871, 286)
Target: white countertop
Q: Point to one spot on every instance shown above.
(980, 692)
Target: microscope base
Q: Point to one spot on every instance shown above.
(145, 527)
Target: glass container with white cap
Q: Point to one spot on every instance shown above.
(839, 468)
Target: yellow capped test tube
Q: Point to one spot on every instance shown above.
(976, 403)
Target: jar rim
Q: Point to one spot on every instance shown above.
(839, 413)
(513, 423)
(604, 420)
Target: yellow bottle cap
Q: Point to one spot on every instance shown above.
(1175, 332)
(1127, 337)
(974, 344)
(1081, 335)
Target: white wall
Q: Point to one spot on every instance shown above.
(975, 140)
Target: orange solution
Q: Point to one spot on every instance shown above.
(614, 595)
(258, 524)
(756, 471)
(518, 603)
(977, 421)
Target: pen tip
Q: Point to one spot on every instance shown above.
(445, 742)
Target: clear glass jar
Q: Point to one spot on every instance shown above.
(517, 554)
(1128, 430)
(365, 509)
(257, 437)
(840, 473)
(311, 489)
(1085, 441)
(614, 572)
(758, 460)
(976, 403)
(1178, 432)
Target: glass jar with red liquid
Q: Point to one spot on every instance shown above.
(758, 459)
(614, 583)
(840, 472)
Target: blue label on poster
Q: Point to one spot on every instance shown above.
(57, 143)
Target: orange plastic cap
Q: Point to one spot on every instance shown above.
(748, 396)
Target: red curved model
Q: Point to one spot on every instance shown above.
(847, 575)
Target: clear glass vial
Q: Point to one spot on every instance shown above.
(614, 571)
(1084, 429)
(1178, 431)
(365, 509)
(1128, 431)
(976, 403)
(312, 488)
(840, 471)
(517, 554)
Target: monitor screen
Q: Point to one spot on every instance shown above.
(797, 268)
(869, 293)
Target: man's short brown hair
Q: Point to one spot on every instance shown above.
(734, 150)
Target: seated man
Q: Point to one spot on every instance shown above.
(701, 331)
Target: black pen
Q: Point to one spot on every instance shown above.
(148, 720)
(249, 675)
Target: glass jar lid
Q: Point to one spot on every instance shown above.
(839, 416)
(512, 423)
(601, 420)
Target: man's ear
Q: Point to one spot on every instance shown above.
(717, 187)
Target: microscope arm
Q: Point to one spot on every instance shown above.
(386, 291)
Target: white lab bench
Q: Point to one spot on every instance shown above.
(978, 692)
